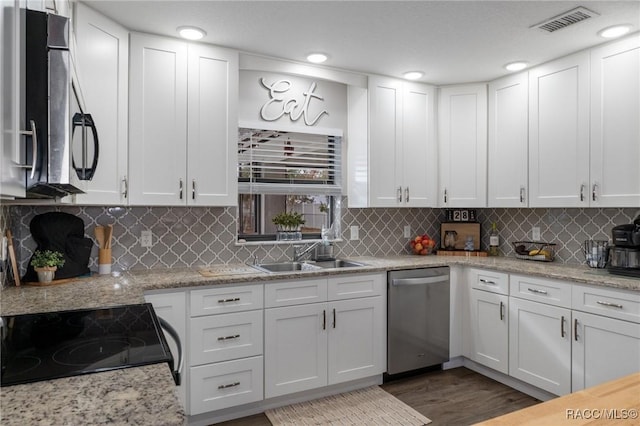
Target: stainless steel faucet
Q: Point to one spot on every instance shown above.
(297, 255)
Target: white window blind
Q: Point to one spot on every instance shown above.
(277, 162)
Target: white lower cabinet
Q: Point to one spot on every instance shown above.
(540, 345)
(603, 349)
(490, 329)
(308, 346)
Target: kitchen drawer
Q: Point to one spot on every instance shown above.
(551, 292)
(298, 292)
(354, 286)
(495, 282)
(224, 337)
(225, 384)
(620, 304)
(221, 300)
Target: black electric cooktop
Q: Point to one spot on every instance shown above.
(61, 344)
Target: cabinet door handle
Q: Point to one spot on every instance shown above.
(593, 191)
(501, 311)
(230, 385)
(324, 319)
(562, 333)
(235, 299)
(193, 189)
(334, 317)
(235, 336)
(399, 194)
(535, 290)
(582, 192)
(482, 280)
(406, 194)
(445, 195)
(613, 305)
(125, 185)
(575, 329)
(180, 186)
(522, 194)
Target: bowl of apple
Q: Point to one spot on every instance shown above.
(422, 245)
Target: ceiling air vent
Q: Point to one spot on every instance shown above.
(564, 20)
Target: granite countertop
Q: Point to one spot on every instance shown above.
(100, 398)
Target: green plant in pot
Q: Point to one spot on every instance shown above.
(288, 222)
(46, 263)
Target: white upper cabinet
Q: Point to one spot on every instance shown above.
(181, 127)
(212, 126)
(12, 176)
(462, 118)
(615, 124)
(559, 133)
(402, 160)
(508, 141)
(102, 63)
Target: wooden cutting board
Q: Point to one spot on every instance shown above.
(12, 258)
(475, 253)
(464, 230)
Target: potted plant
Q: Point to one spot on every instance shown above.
(288, 225)
(46, 263)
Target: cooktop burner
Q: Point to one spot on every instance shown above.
(60, 344)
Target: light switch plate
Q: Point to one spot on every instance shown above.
(407, 231)
(355, 233)
(146, 238)
(535, 233)
(3, 249)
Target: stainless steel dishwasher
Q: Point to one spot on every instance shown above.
(417, 319)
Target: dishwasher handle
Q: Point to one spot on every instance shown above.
(420, 281)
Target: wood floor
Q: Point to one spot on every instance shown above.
(453, 397)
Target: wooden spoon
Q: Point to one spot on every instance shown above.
(99, 233)
(108, 236)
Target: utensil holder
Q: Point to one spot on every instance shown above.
(596, 253)
(104, 261)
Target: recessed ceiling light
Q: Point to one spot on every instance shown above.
(191, 33)
(413, 75)
(516, 66)
(317, 58)
(615, 31)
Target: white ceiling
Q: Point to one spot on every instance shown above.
(451, 41)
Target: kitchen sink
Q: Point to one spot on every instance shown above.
(305, 266)
(338, 263)
(286, 267)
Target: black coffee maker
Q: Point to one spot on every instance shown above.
(624, 256)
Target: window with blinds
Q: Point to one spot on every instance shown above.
(277, 162)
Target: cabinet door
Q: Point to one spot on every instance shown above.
(540, 345)
(102, 76)
(603, 349)
(419, 166)
(385, 137)
(508, 141)
(157, 121)
(615, 128)
(295, 349)
(463, 146)
(172, 307)
(559, 133)
(490, 329)
(356, 346)
(213, 126)
(12, 177)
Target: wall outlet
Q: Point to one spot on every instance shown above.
(146, 238)
(535, 233)
(355, 233)
(407, 231)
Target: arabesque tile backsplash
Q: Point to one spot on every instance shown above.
(198, 236)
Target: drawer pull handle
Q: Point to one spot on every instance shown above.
(324, 319)
(562, 326)
(575, 329)
(230, 385)
(535, 290)
(482, 280)
(235, 299)
(613, 305)
(334, 317)
(229, 337)
(501, 311)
